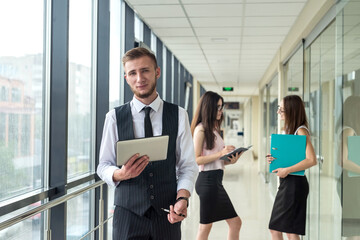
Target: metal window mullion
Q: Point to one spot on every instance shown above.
(102, 101)
(58, 124)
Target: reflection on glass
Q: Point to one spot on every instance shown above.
(80, 87)
(351, 123)
(21, 96)
(351, 167)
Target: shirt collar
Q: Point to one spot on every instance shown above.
(155, 105)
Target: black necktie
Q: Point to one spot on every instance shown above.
(147, 123)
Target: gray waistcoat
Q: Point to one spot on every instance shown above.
(157, 185)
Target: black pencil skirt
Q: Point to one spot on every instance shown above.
(289, 210)
(215, 204)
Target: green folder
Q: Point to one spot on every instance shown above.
(288, 151)
(354, 153)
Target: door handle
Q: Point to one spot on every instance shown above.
(320, 160)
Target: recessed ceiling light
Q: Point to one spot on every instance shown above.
(219, 40)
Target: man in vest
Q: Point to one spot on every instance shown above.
(143, 188)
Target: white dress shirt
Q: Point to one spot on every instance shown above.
(186, 167)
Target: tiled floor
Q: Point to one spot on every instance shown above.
(250, 197)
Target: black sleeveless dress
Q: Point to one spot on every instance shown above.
(289, 210)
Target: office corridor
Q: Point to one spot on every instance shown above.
(249, 194)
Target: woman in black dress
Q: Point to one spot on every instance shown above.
(289, 210)
(215, 204)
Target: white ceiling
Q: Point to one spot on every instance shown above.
(222, 42)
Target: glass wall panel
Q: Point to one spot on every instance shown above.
(264, 130)
(80, 98)
(323, 200)
(273, 127)
(350, 130)
(269, 100)
(21, 96)
(293, 74)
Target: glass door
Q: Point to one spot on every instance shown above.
(323, 198)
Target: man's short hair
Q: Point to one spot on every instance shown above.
(139, 52)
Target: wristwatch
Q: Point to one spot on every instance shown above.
(183, 198)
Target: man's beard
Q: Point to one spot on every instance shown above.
(147, 94)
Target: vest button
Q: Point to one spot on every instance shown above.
(151, 186)
(151, 174)
(152, 197)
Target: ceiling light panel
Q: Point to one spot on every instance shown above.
(214, 10)
(274, 9)
(216, 22)
(218, 32)
(263, 39)
(210, 1)
(265, 31)
(181, 40)
(209, 40)
(176, 46)
(152, 2)
(156, 11)
(274, 21)
(174, 32)
(168, 22)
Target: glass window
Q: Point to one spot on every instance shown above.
(153, 42)
(111, 208)
(79, 215)
(163, 73)
(22, 97)
(80, 98)
(4, 94)
(115, 67)
(139, 29)
(15, 95)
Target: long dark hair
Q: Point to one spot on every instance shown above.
(206, 113)
(295, 115)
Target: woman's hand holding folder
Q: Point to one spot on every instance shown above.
(269, 158)
(280, 172)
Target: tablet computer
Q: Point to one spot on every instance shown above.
(238, 150)
(155, 147)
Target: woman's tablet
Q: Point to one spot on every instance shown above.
(155, 147)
